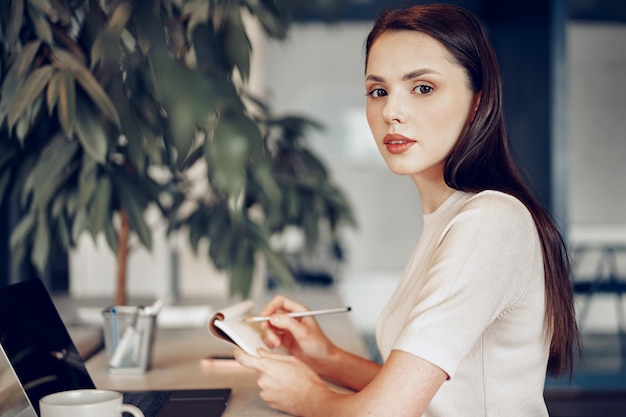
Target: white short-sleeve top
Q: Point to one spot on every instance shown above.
(471, 300)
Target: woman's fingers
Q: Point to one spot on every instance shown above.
(273, 330)
(271, 339)
(244, 359)
(264, 353)
(283, 322)
(256, 362)
(284, 381)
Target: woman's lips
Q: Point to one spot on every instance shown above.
(397, 144)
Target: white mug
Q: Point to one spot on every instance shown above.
(86, 402)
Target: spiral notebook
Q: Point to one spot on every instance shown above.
(229, 324)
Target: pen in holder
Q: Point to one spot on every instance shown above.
(129, 334)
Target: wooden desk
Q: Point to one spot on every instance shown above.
(178, 353)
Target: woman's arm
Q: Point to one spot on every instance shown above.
(403, 387)
(348, 369)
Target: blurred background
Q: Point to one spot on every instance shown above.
(564, 69)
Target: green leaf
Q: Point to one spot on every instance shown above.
(183, 125)
(89, 83)
(66, 110)
(16, 75)
(220, 238)
(22, 231)
(198, 14)
(30, 182)
(132, 124)
(33, 86)
(52, 94)
(133, 203)
(69, 202)
(119, 18)
(227, 154)
(198, 226)
(52, 170)
(238, 45)
(90, 131)
(293, 203)
(107, 44)
(20, 238)
(275, 262)
(101, 207)
(79, 224)
(58, 11)
(28, 119)
(23, 62)
(63, 230)
(209, 51)
(57, 207)
(25, 59)
(219, 251)
(41, 246)
(41, 24)
(269, 17)
(98, 95)
(87, 182)
(242, 270)
(15, 24)
(263, 174)
(111, 236)
(20, 67)
(310, 225)
(195, 235)
(188, 97)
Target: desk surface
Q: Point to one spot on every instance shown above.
(178, 354)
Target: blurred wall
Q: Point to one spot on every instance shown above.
(597, 123)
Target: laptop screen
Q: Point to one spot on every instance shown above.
(37, 344)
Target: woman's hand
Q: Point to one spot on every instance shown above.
(404, 386)
(285, 382)
(302, 337)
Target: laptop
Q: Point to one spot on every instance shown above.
(38, 357)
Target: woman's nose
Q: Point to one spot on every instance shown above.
(393, 111)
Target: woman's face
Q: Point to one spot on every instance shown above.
(418, 102)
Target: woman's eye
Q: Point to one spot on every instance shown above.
(377, 92)
(423, 89)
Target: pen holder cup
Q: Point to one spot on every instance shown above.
(129, 334)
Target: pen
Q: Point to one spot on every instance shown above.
(296, 314)
(116, 334)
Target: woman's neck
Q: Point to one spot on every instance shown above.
(432, 193)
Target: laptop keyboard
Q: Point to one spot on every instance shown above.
(149, 402)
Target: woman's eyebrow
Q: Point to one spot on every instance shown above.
(374, 78)
(406, 77)
(418, 73)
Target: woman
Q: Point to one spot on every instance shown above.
(484, 306)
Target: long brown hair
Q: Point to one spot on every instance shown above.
(481, 159)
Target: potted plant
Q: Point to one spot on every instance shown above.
(105, 106)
